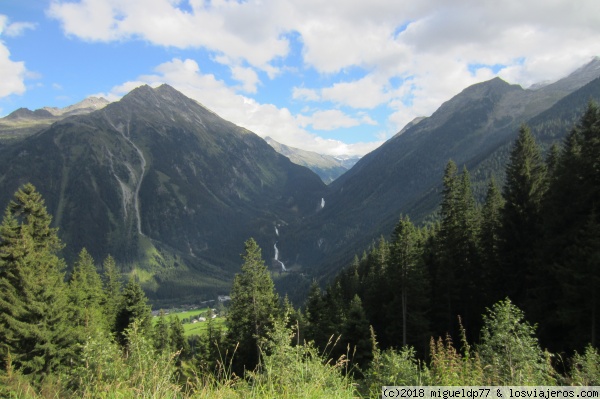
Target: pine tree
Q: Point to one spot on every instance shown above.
(254, 305)
(161, 333)
(35, 331)
(133, 307)
(409, 284)
(489, 239)
(85, 298)
(457, 266)
(177, 340)
(523, 193)
(112, 292)
(315, 314)
(356, 334)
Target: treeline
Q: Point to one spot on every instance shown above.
(536, 241)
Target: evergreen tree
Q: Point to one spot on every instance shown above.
(177, 340)
(112, 292)
(409, 284)
(356, 334)
(457, 267)
(315, 315)
(133, 307)
(509, 350)
(254, 305)
(35, 331)
(209, 345)
(489, 239)
(85, 299)
(161, 333)
(523, 193)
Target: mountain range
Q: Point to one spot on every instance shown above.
(327, 167)
(172, 190)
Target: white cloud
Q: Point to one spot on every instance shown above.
(17, 28)
(247, 76)
(262, 119)
(333, 119)
(366, 93)
(241, 31)
(412, 55)
(13, 72)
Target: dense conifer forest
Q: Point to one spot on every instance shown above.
(500, 293)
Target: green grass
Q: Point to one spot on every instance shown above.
(195, 328)
(200, 327)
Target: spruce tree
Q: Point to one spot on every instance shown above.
(356, 334)
(35, 330)
(112, 292)
(523, 193)
(489, 239)
(133, 307)
(161, 333)
(409, 284)
(177, 340)
(457, 266)
(85, 298)
(254, 305)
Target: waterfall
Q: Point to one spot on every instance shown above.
(276, 231)
(322, 203)
(283, 269)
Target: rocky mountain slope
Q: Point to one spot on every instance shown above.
(24, 122)
(164, 185)
(403, 176)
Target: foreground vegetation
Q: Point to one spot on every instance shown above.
(391, 318)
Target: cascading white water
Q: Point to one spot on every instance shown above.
(283, 269)
(322, 203)
(276, 231)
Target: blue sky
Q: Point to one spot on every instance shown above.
(336, 77)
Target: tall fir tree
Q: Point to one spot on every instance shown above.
(571, 237)
(35, 330)
(457, 266)
(315, 315)
(523, 192)
(254, 306)
(112, 292)
(408, 281)
(489, 239)
(356, 335)
(160, 334)
(85, 298)
(134, 306)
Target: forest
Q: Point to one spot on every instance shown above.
(500, 293)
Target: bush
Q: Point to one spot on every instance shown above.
(585, 369)
(510, 351)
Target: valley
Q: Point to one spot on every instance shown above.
(171, 190)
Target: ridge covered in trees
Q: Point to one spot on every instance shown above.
(525, 262)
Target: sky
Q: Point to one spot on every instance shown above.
(335, 76)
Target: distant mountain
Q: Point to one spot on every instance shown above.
(403, 176)
(166, 186)
(24, 122)
(85, 106)
(327, 167)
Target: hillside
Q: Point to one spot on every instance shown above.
(403, 176)
(164, 185)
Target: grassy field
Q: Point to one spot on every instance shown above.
(194, 328)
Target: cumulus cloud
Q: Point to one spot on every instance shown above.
(412, 55)
(262, 119)
(13, 72)
(333, 119)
